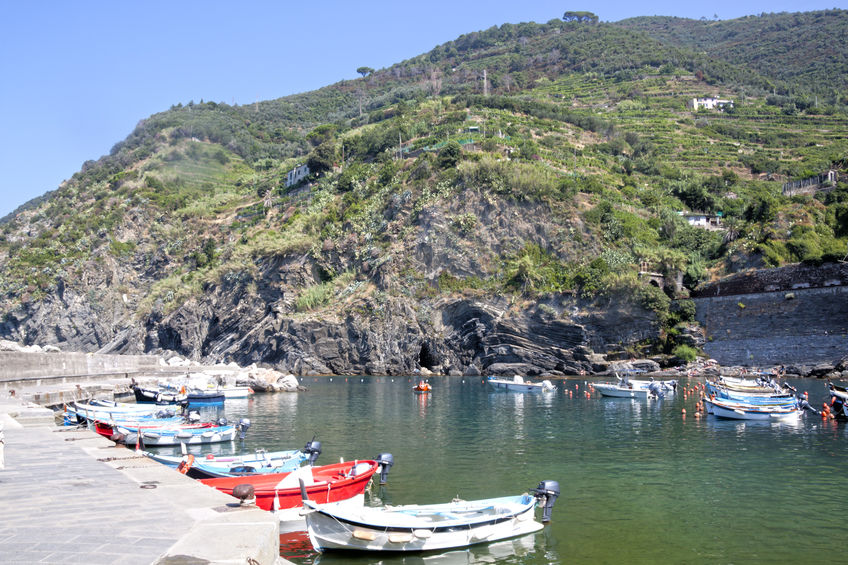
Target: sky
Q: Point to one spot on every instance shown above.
(76, 77)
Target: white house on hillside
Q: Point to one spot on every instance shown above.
(699, 220)
(296, 175)
(710, 103)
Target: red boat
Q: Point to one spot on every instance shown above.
(328, 483)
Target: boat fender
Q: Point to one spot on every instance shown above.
(385, 462)
(364, 535)
(547, 493)
(422, 534)
(185, 464)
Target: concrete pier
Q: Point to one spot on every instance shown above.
(71, 496)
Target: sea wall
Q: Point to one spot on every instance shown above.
(791, 316)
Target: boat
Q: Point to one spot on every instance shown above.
(81, 412)
(417, 528)
(281, 492)
(743, 411)
(837, 391)
(518, 384)
(759, 398)
(422, 387)
(259, 462)
(158, 396)
(621, 391)
(196, 398)
(176, 434)
(235, 391)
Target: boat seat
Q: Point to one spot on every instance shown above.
(292, 480)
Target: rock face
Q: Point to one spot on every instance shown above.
(251, 316)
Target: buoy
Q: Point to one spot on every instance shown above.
(684, 411)
(697, 414)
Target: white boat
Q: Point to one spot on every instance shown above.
(742, 411)
(427, 527)
(518, 384)
(621, 391)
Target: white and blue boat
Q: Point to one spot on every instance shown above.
(745, 411)
(417, 528)
(518, 384)
(258, 463)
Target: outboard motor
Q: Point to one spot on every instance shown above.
(243, 426)
(193, 417)
(222, 421)
(313, 450)
(547, 493)
(655, 389)
(385, 462)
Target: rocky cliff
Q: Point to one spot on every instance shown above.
(390, 318)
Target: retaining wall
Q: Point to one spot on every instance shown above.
(796, 326)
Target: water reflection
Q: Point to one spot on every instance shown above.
(503, 552)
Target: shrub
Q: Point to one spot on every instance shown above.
(685, 352)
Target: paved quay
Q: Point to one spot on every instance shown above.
(71, 496)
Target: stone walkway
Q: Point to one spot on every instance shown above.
(71, 496)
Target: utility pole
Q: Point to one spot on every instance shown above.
(485, 84)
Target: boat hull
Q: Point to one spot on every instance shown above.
(512, 387)
(615, 391)
(236, 466)
(750, 412)
(187, 436)
(402, 529)
(329, 483)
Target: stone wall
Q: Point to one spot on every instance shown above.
(20, 366)
(789, 326)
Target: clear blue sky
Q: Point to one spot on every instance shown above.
(76, 77)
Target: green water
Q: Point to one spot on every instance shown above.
(640, 483)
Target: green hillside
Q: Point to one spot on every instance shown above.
(808, 50)
(566, 171)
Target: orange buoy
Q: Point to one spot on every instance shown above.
(684, 411)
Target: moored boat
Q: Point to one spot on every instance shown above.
(518, 384)
(175, 434)
(418, 528)
(743, 411)
(279, 492)
(259, 462)
(621, 391)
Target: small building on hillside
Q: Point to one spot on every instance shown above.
(701, 220)
(296, 175)
(709, 104)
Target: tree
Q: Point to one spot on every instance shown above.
(364, 71)
(450, 155)
(582, 17)
(322, 157)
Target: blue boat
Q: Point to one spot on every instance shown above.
(260, 462)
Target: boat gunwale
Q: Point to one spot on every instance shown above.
(451, 526)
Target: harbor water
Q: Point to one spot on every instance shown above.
(640, 481)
